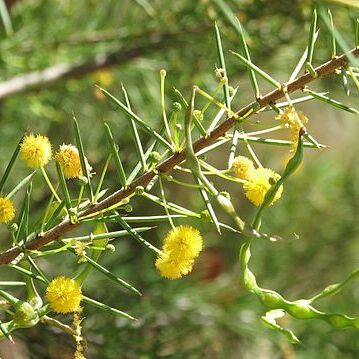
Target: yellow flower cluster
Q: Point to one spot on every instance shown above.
(7, 210)
(36, 150)
(257, 180)
(181, 246)
(294, 120)
(69, 159)
(258, 184)
(80, 340)
(64, 295)
(242, 167)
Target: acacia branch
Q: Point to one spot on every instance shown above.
(66, 226)
(151, 42)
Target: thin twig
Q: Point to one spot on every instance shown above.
(44, 78)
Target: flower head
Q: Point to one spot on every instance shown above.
(64, 295)
(7, 210)
(258, 184)
(173, 268)
(69, 159)
(183, 242)
(36, 150)
(294, 120)
(242, 167)
(181, 246)
(104, 77)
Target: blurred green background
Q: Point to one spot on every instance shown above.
(207, 314)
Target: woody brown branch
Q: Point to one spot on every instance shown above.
(66, 226)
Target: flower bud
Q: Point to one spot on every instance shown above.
(128, 208)
(83, 181)
(13, 227)
(25, 314)
(139, 190)
(205, 217)
(111, 247)
(154, 157)
(198, 115)
(72, 211)
(176, 107)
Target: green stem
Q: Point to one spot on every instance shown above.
(52, 189)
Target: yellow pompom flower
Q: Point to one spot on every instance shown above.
(104, 77)
(7, 210)
(64, 295)
(259, 183)
(181, 246)
(36, 150)
(173, 268)
(183, 242)
(242, 167)
(294, 120)
(69, 159)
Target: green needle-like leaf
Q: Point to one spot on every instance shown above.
(26, 272)
(339, 38)
(54, 217)
(115, 154)
(208, 204)
(11, 164)
(138, 238)
(22, 184)
(111, 276)
(301, 61)
(4, 330)
(333, 44)
(256, 69)
(12, 284)
(135, 134)
(83, 159)
(223, 67)
(134, 219)
(311, 39)
(245, 50)
(5, 17)
(139, 121)
(107, 235)
(102, 177)
(107, 308)
(63, 186)
(22, 232)
(332, 102)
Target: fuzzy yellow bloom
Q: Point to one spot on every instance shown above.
(259, 183)
(36, 150)
(64, 295)
(181, 246)
(183, 242)
(242, 167)
(104, 77)
(295, 120)
(7, 210)
(173, 268)
(69, 159)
